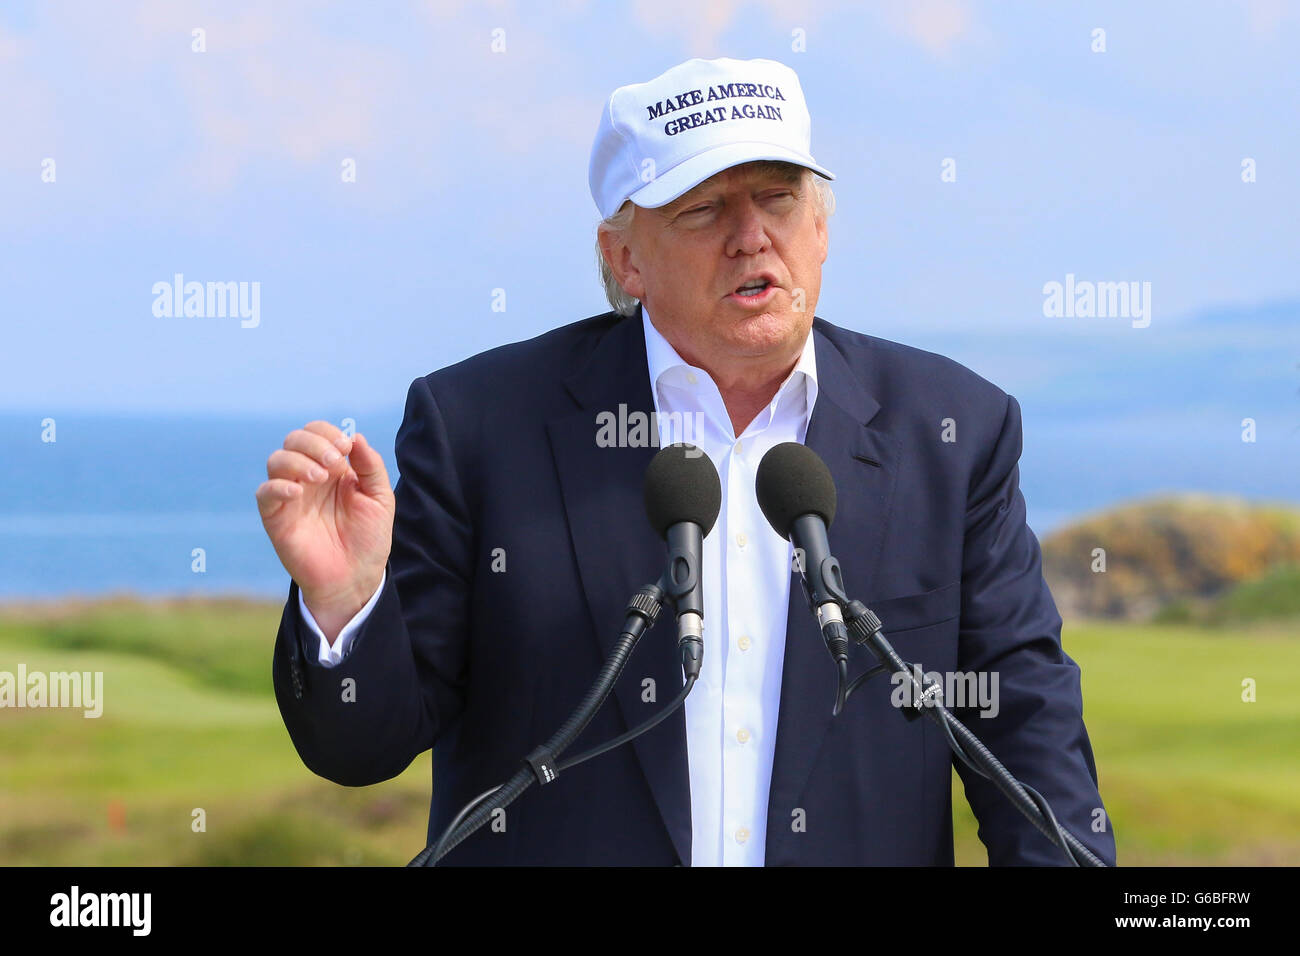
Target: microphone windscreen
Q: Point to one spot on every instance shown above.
(681, 484)
(793, 481)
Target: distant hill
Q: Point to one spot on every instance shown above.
(1185, 557)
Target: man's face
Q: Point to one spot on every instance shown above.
(686, 261)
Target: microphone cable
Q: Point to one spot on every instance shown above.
(642, 612)
(634, 732)
(645, 726)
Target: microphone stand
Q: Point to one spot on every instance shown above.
(543, 764)
(928, 699)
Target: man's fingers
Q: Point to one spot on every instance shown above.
(294, 466)
(316, 447)
(331, 433)
(325, 429)
(273, 493)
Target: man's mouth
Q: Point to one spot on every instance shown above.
(754, 291)
(753, 288)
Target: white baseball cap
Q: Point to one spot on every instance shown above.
(659, 139)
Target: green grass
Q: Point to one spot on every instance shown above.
(1190, 773)
(189, 722)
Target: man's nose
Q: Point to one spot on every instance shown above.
(747, 230)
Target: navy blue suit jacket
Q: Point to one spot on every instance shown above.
(499, 460)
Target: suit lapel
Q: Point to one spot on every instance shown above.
(864, 464)
(617, 552)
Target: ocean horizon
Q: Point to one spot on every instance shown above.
(118, 504)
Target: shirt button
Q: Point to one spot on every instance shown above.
(740, 447)
(742, 735)
(742, 835)
(744, 642)
(690, 378)
(741, 540)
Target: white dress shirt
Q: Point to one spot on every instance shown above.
(731, 715)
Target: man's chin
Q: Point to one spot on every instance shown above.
(765, 332)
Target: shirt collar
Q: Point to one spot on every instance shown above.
(667, 367)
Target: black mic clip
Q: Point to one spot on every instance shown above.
(823, 588)
(680, 586)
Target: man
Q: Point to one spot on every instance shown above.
(470, 611)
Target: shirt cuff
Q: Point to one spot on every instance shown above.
(328, 656)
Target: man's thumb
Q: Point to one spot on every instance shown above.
(372, 478)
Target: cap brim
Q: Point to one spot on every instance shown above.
(689, 173)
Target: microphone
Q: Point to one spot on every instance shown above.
(797, 496)
(682, 499)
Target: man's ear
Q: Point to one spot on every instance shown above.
(618, 256)
(823, 235)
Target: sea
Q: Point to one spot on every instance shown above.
(163, 505)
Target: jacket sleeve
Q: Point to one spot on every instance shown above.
(1011, 630)
(402, 678)
(331, 654)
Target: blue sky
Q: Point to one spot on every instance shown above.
(1123, 165)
